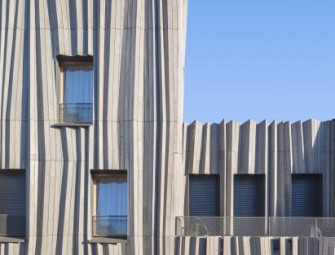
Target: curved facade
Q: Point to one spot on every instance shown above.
(138, 58)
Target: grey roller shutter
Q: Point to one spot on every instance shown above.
(307, 195)
(12, 203)
(204, 194)
(249, 195)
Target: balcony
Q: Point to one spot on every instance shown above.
(79, 113)
(255, 226)
(110, 226)
(12, 225)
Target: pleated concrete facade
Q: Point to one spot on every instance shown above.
(276, 150)
(253, 245)
(138, 47)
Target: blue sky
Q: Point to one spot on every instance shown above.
(260, 59)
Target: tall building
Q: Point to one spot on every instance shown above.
(95, 157)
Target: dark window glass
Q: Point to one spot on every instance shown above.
(249, 195)
(204, 194)
(12, 203)
(307, 195)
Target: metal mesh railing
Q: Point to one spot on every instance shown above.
(80, 113)
(110, 225)
(255, 226)
(282, 226)
(246, 226)
(200, 226)
(12, 225)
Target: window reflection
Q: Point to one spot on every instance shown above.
(111, 202)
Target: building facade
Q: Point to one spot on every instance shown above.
(95, 157)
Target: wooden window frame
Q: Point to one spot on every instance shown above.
(105, 174)
(64, 62)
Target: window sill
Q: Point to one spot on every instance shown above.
(6, 239)
(73, 125)
(107, 240)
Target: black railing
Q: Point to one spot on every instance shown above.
(115, 226)
(80, 113)
(12, 225)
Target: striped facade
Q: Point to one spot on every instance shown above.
(276, 150)
(138, 49)
(138, 58)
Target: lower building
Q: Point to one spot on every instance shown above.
(258, 188)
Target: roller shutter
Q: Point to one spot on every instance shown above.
(307, 195)
(12, 203)
(249, 195)
(204, 194)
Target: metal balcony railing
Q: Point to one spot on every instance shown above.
(255, 226)
(12, 225)
(80, 113)
(115, 226)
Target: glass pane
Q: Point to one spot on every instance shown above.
(112, 196)
(78, 94)
(78, 85)
(111, 219)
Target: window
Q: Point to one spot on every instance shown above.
(12, 203)
(275, 246)
(249, 195)
(110, 203)
(204, 195)
(307, 195)
(249, 203)
(76, 90)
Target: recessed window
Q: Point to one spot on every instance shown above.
(307, 195)
(249, 205)
(204, 195)
(76, 90)
(110, 203)
(275, 246)
(249, 195)
(12, 203)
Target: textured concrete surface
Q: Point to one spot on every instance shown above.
(139, 49)
(274, 149)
